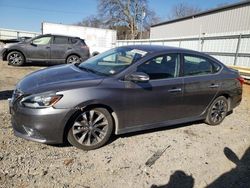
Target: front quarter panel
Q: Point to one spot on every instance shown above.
(19, 47)
(109, 93)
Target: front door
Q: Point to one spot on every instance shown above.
(160, 99)
(39, 49)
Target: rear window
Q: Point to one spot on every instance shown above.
(60, 40)
(83, 42)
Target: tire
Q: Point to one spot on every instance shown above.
(91, 129)
(15, 58)
(217, 111)
(72, 59)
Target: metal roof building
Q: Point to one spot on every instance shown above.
(232, 19)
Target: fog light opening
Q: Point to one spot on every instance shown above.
(29, 131)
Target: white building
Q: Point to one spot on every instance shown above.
(231, 19)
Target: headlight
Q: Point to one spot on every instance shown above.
(40, 101)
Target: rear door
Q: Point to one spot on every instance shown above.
(201, 83)
(59, 47)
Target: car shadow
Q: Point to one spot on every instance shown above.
(39, 64)
(62, 145)
(4, 95)
(115, 137)
(178, 179)
(237, 177)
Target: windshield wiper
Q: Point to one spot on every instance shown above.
(92, 71)
(83, 68)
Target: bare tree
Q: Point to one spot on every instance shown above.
(182, 10)
(92, 21)
(131, 14)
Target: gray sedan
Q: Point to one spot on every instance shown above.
(123, 90)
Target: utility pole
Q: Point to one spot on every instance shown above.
(143, 15)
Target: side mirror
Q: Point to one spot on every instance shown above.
(138, 77)
(31, 43)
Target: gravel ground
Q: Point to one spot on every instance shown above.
(190, 155)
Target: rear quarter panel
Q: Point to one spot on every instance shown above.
(230, 87)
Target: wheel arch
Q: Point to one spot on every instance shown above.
(90, 106)
(13, 50)
(228, 97)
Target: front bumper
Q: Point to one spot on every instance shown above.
(40, 125)
(3, 53)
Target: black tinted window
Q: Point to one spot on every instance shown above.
(72, 40)
(194, 65)
(83, 42)
(60, 40)
(161, 67)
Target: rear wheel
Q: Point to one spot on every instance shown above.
(217, 111)
(91, 129)
(15, 58)
(73, 59)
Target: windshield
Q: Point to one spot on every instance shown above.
(113, 61)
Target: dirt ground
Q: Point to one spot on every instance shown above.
(190, 155)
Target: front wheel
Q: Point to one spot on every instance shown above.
(15, 58)
(73, 59)
(91, 129)
(217, 111)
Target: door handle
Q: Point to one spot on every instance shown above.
(214, 86)
(174, 90)
(47, 47)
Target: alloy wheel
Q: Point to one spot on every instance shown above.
(90, 128)
(15, 59)
(218, 111)
(73, 59)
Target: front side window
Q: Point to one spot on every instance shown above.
(113, 61)
(161, 67)
(194, 65)
(60, 40)
(42, 41)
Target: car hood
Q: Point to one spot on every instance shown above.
(13, 44)
(57, 78)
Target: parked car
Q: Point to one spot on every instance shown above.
(46, 48)
(123, 90)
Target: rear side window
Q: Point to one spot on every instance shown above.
(195, 65)
(60, 40)
(72, 40)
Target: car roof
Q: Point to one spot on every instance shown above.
(61, 36)
(159, 48)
